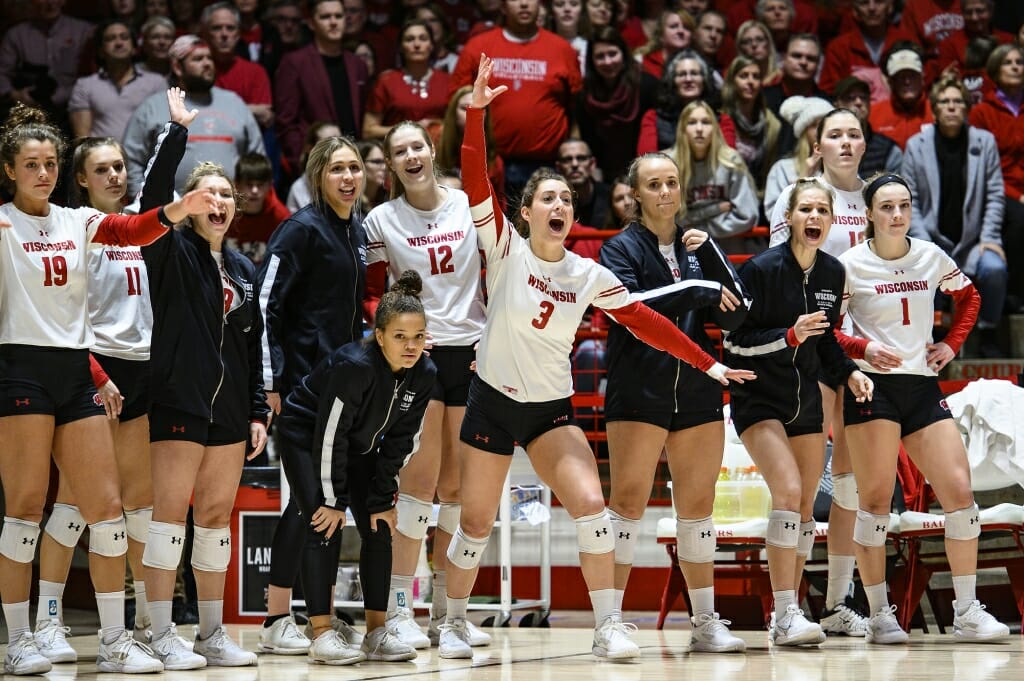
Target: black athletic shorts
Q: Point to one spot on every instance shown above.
(910, 400)
(51, 381)
(453, 374)
(808, 419)
(672, 422)
(168, 423)
(496, 423)
(132, 379)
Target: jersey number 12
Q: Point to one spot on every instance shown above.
(442, 265)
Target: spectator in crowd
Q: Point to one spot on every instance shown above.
(802, 114)
(156, 8)
(129, 12)
(687, 79)
(157, 35)
(221, 22)
(777, 16)
(414, 92)
(720, 195)
(565, 22)
(283, 32)
(261, 211)
(1001, 112)
(382, 40)
(708, 41)
(449, 151)
(930, 22)
(319, 82)
(882, 152)
(757, 128)
(637, 24)
(184, 14)
(364, 50)
(39, 58)
(754, 40)
(902, 116)
(803, 14)
(598, 14)
(575, 162)
(528, 127)
(673, 32)
(953, 49)
(102, 103)
(961, 210)
(250, 30)
(228, 127)
(799, 64)
(375, 189)
(445, 51)
(859, 52)
(615, 95)
(299, 195)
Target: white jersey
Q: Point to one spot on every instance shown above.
(893, 301)
(849, 220)
(534, 310)
(44, 280)
(442, 246)
(119, 306)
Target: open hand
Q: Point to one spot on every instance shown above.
(180, 114)
(483, 94)
(807, 325)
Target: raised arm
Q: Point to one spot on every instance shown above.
(158, 183)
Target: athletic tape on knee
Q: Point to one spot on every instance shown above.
(783, 529)
(465, 552)
(18, 539)
(626, 532)
(65, 525)
(413, 516)
(164, 544)
(448, 517)
(806, 540)
(211, 549)
(963, 524)
(594, 533)
(870, 529)
(844, 491)
(138, 523)
(695, 540)
(109, 537)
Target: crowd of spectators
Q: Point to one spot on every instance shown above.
(732, 90)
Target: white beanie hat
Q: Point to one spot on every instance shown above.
(801, 112)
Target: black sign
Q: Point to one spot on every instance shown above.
(256, 536)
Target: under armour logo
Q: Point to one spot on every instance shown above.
(75, 526)
(851, 206)
(899, 272)
(177, 429)
(879, 528)
(603, 530)
(789, 526)
(21, 403)
(433, 225)
(704, 534)
(808, 533)
(226, 541)
(118, 536)
(975, 519)
(28, 541)
(469, 554)
(176, 540)
(44, 233)
(623, 535)
(482, 438)
(423, 519)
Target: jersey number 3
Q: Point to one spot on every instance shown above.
(546, 308)
(442, 265)
(55, 271)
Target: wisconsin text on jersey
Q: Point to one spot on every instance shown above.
(445, 237)
(560, 296)
(39, 246)
(901, 287)
(522, 69)
(123, 255)
(858, 220)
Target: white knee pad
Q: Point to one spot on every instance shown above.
(870, 529)
(138, 523)
(695, 540)
(448, 517)
(18, 539)
(164, 544)
(626, 531)
(211, 549)
(805, 542)
(65, 525)
(844, 491)
(963, 524)
(594, 533)
(413, 516)
(783, 529)
(465, 552)
(109, 537)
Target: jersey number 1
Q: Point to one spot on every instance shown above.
(134, 277)
(546, 308)
(55, 271)
(906, 311)
(444, 264)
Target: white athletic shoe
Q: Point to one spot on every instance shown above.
(402, 625)
(477, 637)
(283, 638)
(711, 635)
(51, 639)
(351, 635)
(454, 640)
(330, 648)
(844, 620)
(382, 646)
(144, 635)
(23, 657)
(175, 652)
(125, 655)
(883, 627)
(220, 651)
(611, 640)
(793, 629)
(977, 626)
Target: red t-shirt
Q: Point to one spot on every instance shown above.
(394, 99)
(929, 22)
(543, 77)
(247, 80)
(899, 125)
(953, 51)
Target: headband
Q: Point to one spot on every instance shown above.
(878, 183)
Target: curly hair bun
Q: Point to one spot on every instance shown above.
(409, 283)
